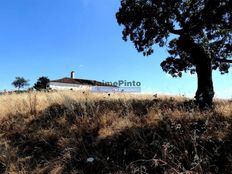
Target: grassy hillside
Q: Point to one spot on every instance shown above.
(84, 133)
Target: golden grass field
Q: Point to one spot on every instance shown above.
(87, 133)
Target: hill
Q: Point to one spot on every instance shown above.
(83, 133)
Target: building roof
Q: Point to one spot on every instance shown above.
(81, 82)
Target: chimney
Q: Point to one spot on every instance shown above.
(73, 75)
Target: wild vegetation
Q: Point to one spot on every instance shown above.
(80, 132)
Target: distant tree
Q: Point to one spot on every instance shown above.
(197, 33)
(42, 83)
(20, 82)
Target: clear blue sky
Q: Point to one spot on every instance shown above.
(53, 37)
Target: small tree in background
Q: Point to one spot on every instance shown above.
(20, 82)
(42, 83)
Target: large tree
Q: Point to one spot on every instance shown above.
(196, 32)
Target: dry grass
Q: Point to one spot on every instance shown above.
(24, 103)
(76, 132)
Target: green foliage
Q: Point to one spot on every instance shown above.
(42, 83)
(206, 23)
(20, 82)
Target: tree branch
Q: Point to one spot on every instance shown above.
(223, 60)
(177, 32)
(173, 31)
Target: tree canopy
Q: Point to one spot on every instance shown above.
(42, 83)
(20, 82)
(165, 22)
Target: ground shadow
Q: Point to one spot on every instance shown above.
(61, 138)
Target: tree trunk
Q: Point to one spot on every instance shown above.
(205, 92)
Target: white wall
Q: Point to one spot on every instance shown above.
(67, 86)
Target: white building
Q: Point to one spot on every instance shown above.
(80, 84)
